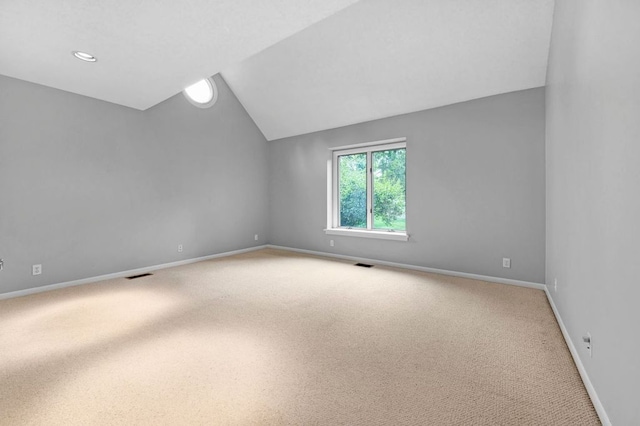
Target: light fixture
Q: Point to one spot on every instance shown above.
(84, 56)
(203, 93)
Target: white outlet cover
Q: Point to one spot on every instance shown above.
(36, 269)
(180, 248)
(506, 262)
(331, 243)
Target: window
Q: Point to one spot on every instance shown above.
(368, 190)
(203, 93)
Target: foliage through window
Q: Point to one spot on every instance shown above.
(371, 187)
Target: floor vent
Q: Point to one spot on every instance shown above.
(133, 277)
(364, 265)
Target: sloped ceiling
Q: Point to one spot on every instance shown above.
(147, 50)
(297, 66)
(380, 58)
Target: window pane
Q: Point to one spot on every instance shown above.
(352, 176)
(389, 189)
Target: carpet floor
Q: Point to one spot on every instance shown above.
(272, 337)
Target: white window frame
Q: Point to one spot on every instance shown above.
(333, 203)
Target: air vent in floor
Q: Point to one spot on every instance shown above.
(133, 277)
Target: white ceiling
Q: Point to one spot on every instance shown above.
(380, 58)
(297, 66)
(147, 50)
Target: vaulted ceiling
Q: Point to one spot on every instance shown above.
(380, 58)
(297, 66)
(147, 50)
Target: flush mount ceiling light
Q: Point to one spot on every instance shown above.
(203, 93)
(84, 56)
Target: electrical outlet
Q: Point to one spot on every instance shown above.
(586, 339)
(555, 284)
(331, 243)
(36, 269)
(255, 237)
(506, 262)
(179, 248)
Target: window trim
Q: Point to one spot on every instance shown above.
(333, 197)
(366, 233)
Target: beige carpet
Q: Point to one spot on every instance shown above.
(272, 337)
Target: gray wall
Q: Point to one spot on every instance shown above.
(475, 187)
(90, 188)
(593, 191)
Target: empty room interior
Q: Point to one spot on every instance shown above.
(320, 212)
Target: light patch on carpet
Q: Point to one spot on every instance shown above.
(61, 326)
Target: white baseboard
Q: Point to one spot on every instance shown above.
(122, 274)
(417, 268)
(597, 404)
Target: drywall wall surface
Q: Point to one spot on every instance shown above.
(89, 188)
(475, 187)
(593, 191)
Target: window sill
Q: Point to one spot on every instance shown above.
(382, 235)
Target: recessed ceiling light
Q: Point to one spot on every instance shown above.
(202, 94)
(84, 56)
